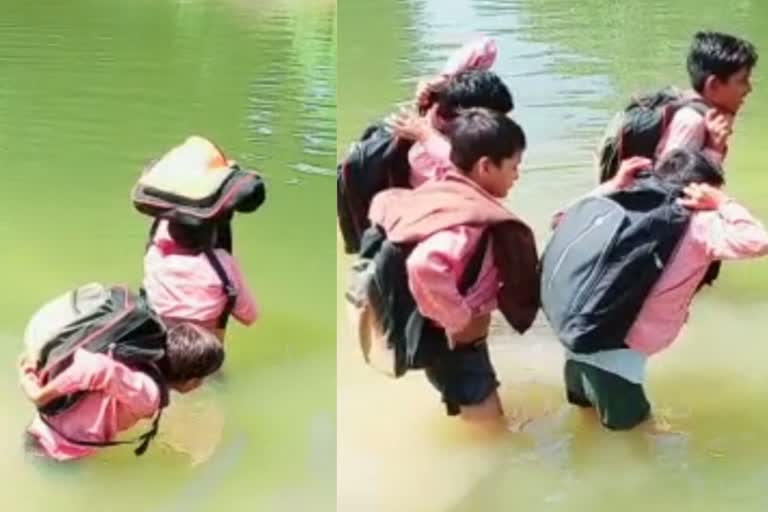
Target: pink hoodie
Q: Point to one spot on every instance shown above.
(119, 398)
(184, 286)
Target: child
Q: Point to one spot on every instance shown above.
(182, 285)
(118, 395)
(479, 54)
(429, 155)
(719, 67)
(719, 229)
(486, 149)
(465, 81)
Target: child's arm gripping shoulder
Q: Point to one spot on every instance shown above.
(730, 232)
(99, 372)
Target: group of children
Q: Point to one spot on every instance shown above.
(464, 137)
(184, 289)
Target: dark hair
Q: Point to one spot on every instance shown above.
(192, 237)
(473, 88)
(681, 167)
(479, 132)
(718, 54)
(192, 352)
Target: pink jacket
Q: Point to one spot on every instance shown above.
(185, 286)
(119, 398)
(436, 265)
(729, 233)
(478, 54)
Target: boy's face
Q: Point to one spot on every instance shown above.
(729, 94)
(497, 180)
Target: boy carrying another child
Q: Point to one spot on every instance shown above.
(449, 220)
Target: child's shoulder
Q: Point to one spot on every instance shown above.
(689, 115)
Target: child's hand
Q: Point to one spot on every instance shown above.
(628, 170)
(408, 125)
(719, 128)
(424, 90)
(31, 386)
(25, 364)
(701, 196)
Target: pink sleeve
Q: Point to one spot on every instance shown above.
(433, 270)
(429, 159)
(687, 130)
(438, 148)
(98, 372)
(478, 54)
(246, 309)
(730, 233)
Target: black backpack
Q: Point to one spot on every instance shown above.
(386, 311)
(603, 259)
(109, 320)
(637, 130)
(376, 162)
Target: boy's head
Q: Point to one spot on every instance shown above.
(487, 147)
(196, 238)
(473, 88)
(720, 68)
(192, 353)
(681, 167)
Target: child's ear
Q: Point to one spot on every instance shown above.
(484, 164)
(711, 83)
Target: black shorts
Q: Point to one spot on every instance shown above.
(621, 404)
(464, 376)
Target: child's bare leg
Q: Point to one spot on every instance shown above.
(487, 411)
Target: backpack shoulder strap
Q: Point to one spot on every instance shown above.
(226, 283)
(472, 272)
(152, 232)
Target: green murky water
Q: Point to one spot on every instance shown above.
(89, 92)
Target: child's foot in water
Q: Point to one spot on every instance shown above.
(517, 420)
(660, 423)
